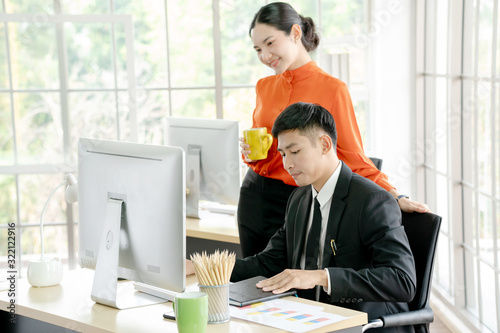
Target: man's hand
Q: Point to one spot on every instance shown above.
(189, 268)
(294, 278)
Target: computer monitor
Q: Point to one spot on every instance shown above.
(213, 161)
(132, 220)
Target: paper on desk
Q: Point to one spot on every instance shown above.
(287, 315)
(210, 219)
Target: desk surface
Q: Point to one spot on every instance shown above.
(214, 226)
(69, 305)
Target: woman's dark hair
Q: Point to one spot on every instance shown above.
(306, 118)
(282, 16)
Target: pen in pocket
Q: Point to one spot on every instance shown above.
(334, 247)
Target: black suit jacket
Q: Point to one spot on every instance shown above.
(373, 269)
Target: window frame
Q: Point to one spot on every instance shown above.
(460, 293)
(18, 169)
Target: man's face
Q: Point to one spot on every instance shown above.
(303, 160)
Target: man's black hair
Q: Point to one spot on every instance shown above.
(306, 117)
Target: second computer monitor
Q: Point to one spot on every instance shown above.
(213, 159)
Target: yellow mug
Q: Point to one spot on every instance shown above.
(260, 142)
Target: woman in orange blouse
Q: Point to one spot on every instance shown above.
(283, 39)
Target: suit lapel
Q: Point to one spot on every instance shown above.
(336, 210)
(300, 224)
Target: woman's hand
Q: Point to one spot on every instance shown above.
(410, 206)
(245, 150)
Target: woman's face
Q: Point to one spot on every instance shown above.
(275, 49)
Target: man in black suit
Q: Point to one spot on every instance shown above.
(356, 254)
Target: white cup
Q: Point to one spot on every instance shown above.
(45, 272)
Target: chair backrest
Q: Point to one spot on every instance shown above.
(422, 231)
(377, 162)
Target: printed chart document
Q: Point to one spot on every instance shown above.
(287, 315)
(245, 292)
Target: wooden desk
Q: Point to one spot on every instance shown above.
(213, 226)
(212, 232)
(68, 305)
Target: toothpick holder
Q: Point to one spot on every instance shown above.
(218, 303)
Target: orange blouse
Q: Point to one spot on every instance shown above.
(311, 84)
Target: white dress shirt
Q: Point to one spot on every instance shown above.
(324, 197)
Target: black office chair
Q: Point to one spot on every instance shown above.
(422, 231)
(377, 162)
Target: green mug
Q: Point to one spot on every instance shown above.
(191, 312)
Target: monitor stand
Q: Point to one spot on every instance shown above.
(106, 289)
(193, 160)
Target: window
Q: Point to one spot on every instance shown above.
(73, 75)
(43, 123)
(458, 82)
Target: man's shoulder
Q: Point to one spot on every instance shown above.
(357, 186)
(300, 191)
(362, 188)
(365, 183)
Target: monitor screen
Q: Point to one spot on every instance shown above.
(148, 183)
(213, 159)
